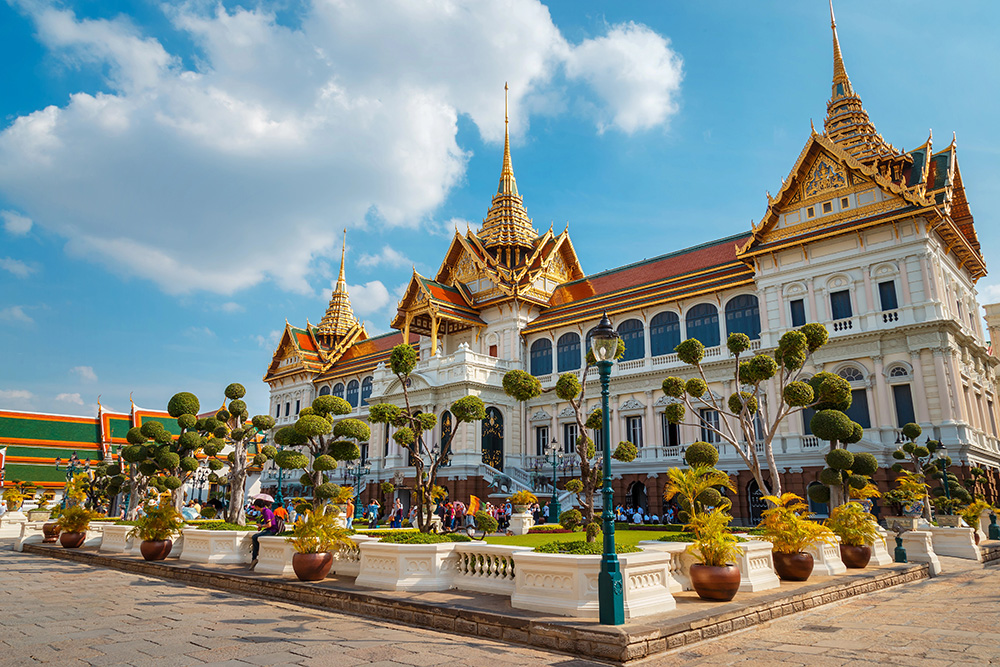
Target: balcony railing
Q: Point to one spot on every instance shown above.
(843, 325)
(890, 316)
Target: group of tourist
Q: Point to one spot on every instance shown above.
(640, 515)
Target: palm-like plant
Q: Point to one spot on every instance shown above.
(852, 523)
(714, 545)
(696, 487)
(159, 523)
(787, 526)
(317, 532)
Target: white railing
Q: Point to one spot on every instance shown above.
(713, 351)
(890, 316)
(810, 442)
(671, 452)
(760, 447)
(665, 360)
(634, 364)
(485, 568)
(755, 345)
(843, 325)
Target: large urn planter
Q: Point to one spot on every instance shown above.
(50, 532)
(855, 557)
(155, 550)
(794, 566)
(312, 567)
(72, 540)
(716, 583)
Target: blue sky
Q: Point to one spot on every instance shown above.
(174, 177)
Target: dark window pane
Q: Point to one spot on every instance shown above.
(541, 357)
(664, 333)
(904, 404)
(703, 323)
(859, 408)
(807, 416)
(798, 307)
(743, 316)
(634, 338)
(352, 393)
(338, 390)
(366, 390)
(840, 304)
(568, 352)
(887, 295)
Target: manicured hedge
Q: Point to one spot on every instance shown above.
(423, 538)
(582, 548)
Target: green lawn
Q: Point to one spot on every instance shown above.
(629, 537)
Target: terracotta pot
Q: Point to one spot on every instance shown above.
(312, 567)
(50, 532)
(855, 557)
(157, 550)
(793, 567)
(72, 540)
(718, 583)
(975, 534)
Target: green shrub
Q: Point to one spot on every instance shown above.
(582, 548)
(485, 522)
(208, 512)
(570, 519)
(840, 459)
(413, 537)
(701, 453)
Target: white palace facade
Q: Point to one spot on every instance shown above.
(874, 242)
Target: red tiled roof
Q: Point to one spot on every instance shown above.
(364, 356)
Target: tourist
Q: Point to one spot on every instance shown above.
(545, 512)
(396, 520)
(268, 525)
(373, 512)
(349, 510)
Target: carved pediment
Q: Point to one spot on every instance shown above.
(631, 404)
(663, 401)
(540, 416)
(567, 413)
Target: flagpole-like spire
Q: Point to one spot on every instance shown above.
(339, 317)
(343, 252)
(839, 71)
(508, 186)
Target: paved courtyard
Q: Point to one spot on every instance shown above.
(61, 613)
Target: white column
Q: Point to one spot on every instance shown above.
(648, 433)
(944, 393)
(920, 399)
(884, 417)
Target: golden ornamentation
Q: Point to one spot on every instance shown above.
(824, 177)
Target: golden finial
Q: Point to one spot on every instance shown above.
(343, 251)
(839, 72)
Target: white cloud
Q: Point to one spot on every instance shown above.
(635, 72)
(15, 395)
(17, 267)
(388, 256)
(369, 298)
(231, 307)
(86, 373)
(351, 116)
(199, 332)
(268, 342)
(15, 315)
(70, 398)
(15, 223)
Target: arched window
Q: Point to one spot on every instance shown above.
(541, 357)
(568, 352)
(703, 323)
(352, 393)
(664, 333)
(338, 390)
(632, 334)
(851, 374)
(898, 372)
(493, 438)
(366, 390)
(324, 390)
(590, 334)
(743, 316)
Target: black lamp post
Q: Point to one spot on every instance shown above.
(604, 344)
(942, 462)
(356, 472)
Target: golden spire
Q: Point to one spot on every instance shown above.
(339, 317)
(847, 123)
(507, 222)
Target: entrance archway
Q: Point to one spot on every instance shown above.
(493, 438)
(637, 496)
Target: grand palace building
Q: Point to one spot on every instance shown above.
(876, 243)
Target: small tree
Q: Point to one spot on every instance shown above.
(104, 482)
(572, 388)
(918, 456)
(749, 419)
(411, 425)
(327, 441)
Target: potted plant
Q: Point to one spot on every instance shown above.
(13, 497)
(41, 512)
(715, 576)
(787, 527)
(856, 529)
(155, 530)
(521, 500)
(73, 523)
(906, 500)
(971, 514)
(50, 529)
(313, 536)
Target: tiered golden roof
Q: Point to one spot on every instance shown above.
(507, 222)
(339, 318)
(847, 123)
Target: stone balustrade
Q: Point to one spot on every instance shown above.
(216, 546)
(485, 568)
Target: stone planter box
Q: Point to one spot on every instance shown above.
(949, 521)
(116, 540)
(347, 561)
(920, 549)
(216, 546)
(275, 556)
(95, 535)
(521, 522)
(898, 524)
(39, 515)
(826, 558)
(406, 567)
(31, 533)
(956, 542)
(984, 525)
(757, 567)
(567, 585)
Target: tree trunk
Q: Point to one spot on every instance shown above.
(927, 499)
(135, 489)
(237, 478)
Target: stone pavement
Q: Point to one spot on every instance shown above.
(62, 613)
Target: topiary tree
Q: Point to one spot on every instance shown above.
(572, 388)
(919, 458)
(746, 417)
(104, 482)
(411, 425)
(327, 440)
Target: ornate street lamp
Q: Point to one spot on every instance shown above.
(604, 344)
(357, 471)
(72, 466)
(553, 455)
